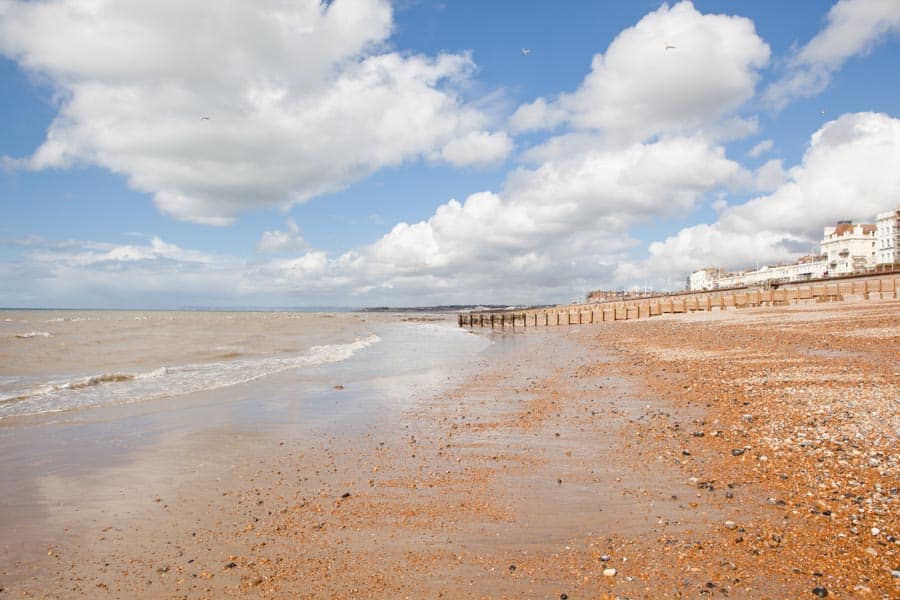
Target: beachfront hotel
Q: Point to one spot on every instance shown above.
(887, 234)
(846, 248)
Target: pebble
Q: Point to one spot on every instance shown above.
(230, 565)
(895, 574)
(610, 572)
(875, 531)
(820, 591)
(730, 525)
(737, 451)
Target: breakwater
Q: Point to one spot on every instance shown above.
(865, 287)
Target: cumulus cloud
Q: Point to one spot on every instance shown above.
(638, 142)
(552, 232)
(83, 254)
(761, 148)
(854, 27)
(215, 108)
(274, 242)
(845, 174)
(770, 176)
(640, 88)
(477, 147)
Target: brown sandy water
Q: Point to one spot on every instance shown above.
(554, 455)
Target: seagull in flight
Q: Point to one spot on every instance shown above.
(204, 118)
(669, 47)
(526, 51)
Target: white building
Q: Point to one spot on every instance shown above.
(846, 249)
(887, 237)
(808, 267)
(704, 279)
(850, 248)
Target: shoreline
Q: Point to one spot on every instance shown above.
(567, 453)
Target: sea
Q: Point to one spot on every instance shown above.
(61, 365)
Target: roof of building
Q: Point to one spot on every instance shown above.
(845, 227)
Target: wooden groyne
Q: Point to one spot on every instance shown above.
(869, 286)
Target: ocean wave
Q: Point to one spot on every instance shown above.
(34, 334)
(125, 388)
(113, 378)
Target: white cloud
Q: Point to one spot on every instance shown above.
(854, 27)
(539, 114)
(639, 141)
(761, 148)
(639, 88)
(106, 255)
(770, 176)
(477, 147)
(301, 97)
(275, 242)
(551, 233)
(557, 227)
(846, 173)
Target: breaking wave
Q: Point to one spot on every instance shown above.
(19, 397)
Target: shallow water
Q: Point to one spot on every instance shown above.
(156, 398)
(64, 361)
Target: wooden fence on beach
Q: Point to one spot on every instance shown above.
(869, 286)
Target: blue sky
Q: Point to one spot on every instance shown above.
(360, 152)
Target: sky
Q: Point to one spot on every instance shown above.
(297, 153)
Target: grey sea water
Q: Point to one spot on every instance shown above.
(63, 364)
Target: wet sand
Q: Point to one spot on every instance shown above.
(743, 454)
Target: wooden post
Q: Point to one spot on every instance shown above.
(492, 320)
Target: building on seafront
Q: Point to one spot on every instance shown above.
(846, 248)
(850, 248)
(887, 235)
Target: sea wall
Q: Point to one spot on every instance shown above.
(864, 287)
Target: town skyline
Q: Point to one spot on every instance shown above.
(845, 249)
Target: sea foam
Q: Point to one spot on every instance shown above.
(34, 334)
(113, 388)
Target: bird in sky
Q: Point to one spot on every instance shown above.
(204, 118)
(526, 51)
(670, 47)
